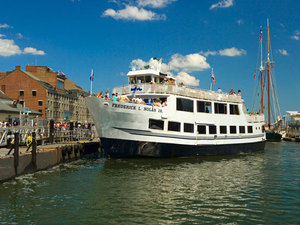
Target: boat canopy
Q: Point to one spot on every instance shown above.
(148, 76)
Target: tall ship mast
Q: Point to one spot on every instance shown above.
(156, 116)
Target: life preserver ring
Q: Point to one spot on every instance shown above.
(29, 141)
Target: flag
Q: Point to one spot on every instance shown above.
(147, 67)
(273, 65)
(260, 35)
(213, 76)
(61, 73)
(254, 75)
(92, 76)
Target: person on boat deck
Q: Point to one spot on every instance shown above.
(151, 101)
(206, 110)
(219, 90)
(239, 93)
(106, 97)
(107, 94)
(157, 102)
(114, 98)
(231, 91)
(99, 95)
(117, 96)
(165, 103)
(139, 100)
(124, 98)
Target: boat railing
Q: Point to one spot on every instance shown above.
(255, 118)
(136, 89)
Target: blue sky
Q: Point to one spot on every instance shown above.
(191, 36)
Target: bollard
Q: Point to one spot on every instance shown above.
(33, 152)
(16, 153)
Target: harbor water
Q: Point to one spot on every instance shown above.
(257, 188)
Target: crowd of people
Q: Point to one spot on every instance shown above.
(231, 92)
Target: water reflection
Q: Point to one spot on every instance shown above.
(247, 188)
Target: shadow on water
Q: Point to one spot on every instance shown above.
(256, 188)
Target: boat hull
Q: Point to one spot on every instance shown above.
(273, 136)
(117, 148)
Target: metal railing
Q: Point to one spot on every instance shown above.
(136, 89)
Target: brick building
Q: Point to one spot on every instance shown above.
(41, 89)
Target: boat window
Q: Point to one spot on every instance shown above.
(184, 104)
(148, 79)
(223, 130)
(201, 129)
(242, 130)
(203, 106)
(173, 126)
(156, 124)
(140, 80)
(250, 129)
(212, 129)
(234, 109)
(188, 127)
(220, 108)
(233, 129)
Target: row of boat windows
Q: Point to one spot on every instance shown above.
(187, 105)
(201, 129)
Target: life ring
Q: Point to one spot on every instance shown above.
(29, 141)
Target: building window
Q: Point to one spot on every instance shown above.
(220, 108)
(40, 103)
(203, 106)
(3, 88)
(250, 129)
(201, 129)
(242, 129)
(212, 129)
(156, 124)
(34, 93)
(40, 110)
(189, 128)
(21, 93)
(234, 109)
(233, 129)
(22, 103)
(223, 130)
(60, 84)
(184, 104)
(173, 126)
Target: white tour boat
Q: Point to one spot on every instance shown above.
(194, 122)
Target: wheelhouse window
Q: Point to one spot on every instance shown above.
(250, 129)
(184, 104)
(140, 80)
(234, 109)
(173, 126)
(242, 129)
(156, 124)
(203, 106)
(223, 130)
(189, 128)
(220, 108)
(201, 129)
(148, 79)
(233, 129)
(212, 129)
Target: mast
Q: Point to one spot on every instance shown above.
(261, 72)
(268, 70)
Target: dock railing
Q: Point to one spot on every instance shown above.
(146, 88)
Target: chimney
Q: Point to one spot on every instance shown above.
(18, 67)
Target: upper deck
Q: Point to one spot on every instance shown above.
(156, 88)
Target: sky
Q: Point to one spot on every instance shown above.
(191, 36)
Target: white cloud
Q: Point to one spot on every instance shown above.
(187, 79)
(2, 35)
(283, 51)
(232, 52)
(33, 51)
(9, 48)
(207, 53)
(5, 26)
(295, 37)
(297, 32)
(222, 4)
(133, 13)
(154, 3)
(188, 63)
